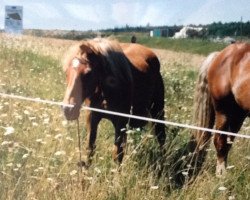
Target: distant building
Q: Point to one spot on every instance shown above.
(159, 33)
(13, 19)
(188, 31)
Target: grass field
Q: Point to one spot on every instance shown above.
(39, 149)
(195, 46)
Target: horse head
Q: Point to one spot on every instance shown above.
(80, 66)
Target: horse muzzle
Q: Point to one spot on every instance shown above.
(71, 113)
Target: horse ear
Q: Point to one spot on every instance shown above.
(86, 48)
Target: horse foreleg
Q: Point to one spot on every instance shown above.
(223, 143)
(157, 110)
(92, 121)
(160, 128)
(220, 143)
(120, 142)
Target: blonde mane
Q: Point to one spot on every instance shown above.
(100, 46)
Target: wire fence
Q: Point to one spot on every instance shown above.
(38, 100)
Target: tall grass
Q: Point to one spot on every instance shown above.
(39, 154)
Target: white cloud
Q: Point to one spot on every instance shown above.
(41, 10)
(2, 17)
(139, 13)
(85, 12)
(223, 10)
(124, 13)
(154, 16)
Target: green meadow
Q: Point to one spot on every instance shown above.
(39, 148)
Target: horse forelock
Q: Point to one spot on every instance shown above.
(100, 46)
(116, 61)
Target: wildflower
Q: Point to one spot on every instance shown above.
(26, 112)
(130, 141)
(138, 129)
(155, 187)
(113, 170)
(9, 130)
(88, 178)
(9, 165)
(40, 168)
(72, 173)
(5, 143)
(18, 117)
(130, 131)
(50, 179)
(39, 141)
(150, 136)
(230, 167)
(58, 136)
(25, 156)
(222, 188)
(64, 123)
(60, 153)
(34, 124)
(46, 121)
(134, 152)
(97, 170)
(69, 138)
(185, 173)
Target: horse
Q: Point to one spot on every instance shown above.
(222, 99)
(120, 77)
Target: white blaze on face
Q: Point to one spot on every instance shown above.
(75, 63)
(73, 93)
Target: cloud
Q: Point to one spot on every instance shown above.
(124, 13)
(42, 11)
(85, 12)
(154, 16)
(214, 11)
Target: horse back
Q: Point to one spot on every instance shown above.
(141, 57)
(228, 68)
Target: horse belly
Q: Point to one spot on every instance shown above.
(241, 92)
(142, 97)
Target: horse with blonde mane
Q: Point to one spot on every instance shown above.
(118, 77)
(222, 99)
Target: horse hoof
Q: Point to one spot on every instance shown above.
(220, 170)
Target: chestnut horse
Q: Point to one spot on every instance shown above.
(223, 98)
(119, 77)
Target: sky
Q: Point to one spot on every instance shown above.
(102, 14)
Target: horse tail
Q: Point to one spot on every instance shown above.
(204, 115)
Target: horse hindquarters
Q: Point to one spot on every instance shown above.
(157, 109)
